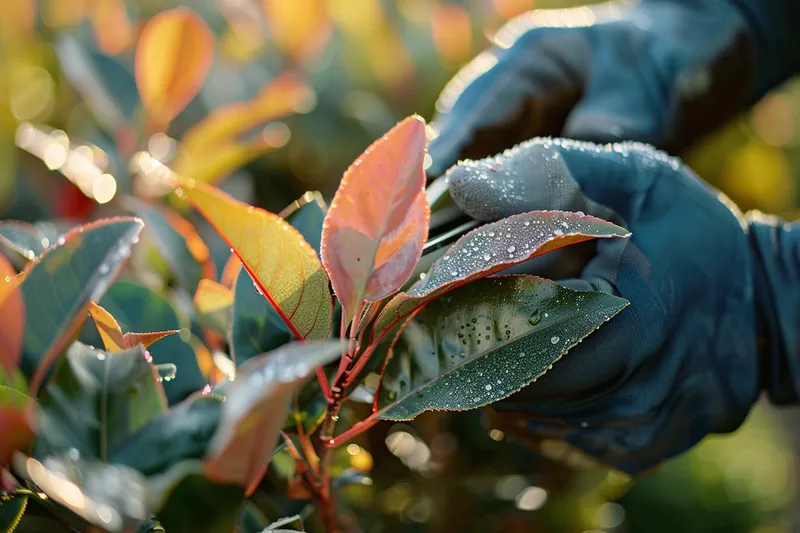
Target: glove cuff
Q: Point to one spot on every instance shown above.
(776, 273)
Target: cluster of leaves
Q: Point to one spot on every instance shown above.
(173, 423)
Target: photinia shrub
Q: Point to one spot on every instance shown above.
(115, 436)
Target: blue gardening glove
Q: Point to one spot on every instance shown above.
(715, 301)
(658, 71)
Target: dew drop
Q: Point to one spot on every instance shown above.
(491, 234)
(558, 232)
(554, 339)
(103, 269)
(486, 257)
(511, 249)
(488, 387)
(61, 240)
(101, 356)
(535, 318)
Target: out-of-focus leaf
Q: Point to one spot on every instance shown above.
(58, 287)
(112, 27)
(252, 519)
(181, 433)
(97, 400)
(230, 272)
(12, 507)
(173, 57)
(492, 248)
(378, 220)
(484, 342)
(138, 308)
(118, 81)
(15, 425)
(190, 502)
(108, 496)
(255, 409)
(282, 264)
(22, 238)
(12, 323)
(217, 145)
(177, 241)
(213, 303)
(256, 326)
(307, 214)
(300, 28)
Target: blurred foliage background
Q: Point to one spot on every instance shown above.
(67, 66)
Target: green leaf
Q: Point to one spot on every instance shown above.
(58, 287)
(255, 410)
(178, 243)
(193, 503)
(12, 507)
(97, 400)
(24, 239)
(256, 326)
(490, 249)
(137, 308)
(306, 215)
(485, 341)
(109, 496)
(182, 433)
(252, 520)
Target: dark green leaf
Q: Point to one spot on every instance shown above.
(137, 308)
(307, 215)
(171, 244)
(118, 81)
(58, 287)
(111, 497)
(256, 407)
(485, 341)
(257, 328)
(12, 507)
(252, 520)
(96, 401)
(22, 238)
(193, 504)
(492, 248)
(182, 433)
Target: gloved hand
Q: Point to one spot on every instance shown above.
(715, 301)
(658, 71)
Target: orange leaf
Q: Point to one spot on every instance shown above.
(107, 326)
(146, 339)
(16, 428)
(112, 27)
(173, 57)
(300, 28)
(12, 325)
(212, 297)
(230, 272)
(378, 221)
(111, 333)
(282, 264)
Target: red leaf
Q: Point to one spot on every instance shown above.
(145, 339)
(492, 248)
(378, 221)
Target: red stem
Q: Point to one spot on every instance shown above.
(353, 432)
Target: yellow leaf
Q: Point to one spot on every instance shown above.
(108, 328)
(300, 27)
(173, 57)
(282, 264)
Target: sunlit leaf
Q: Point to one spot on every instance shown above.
(255, 409)
(112, 27)
(97, 400)
(59, 286)
(173, 57)
(16, 425)
(24, 239)
(285, 268)
(256, 327)
(108, 328)
(181, 433)
(130, 340)
(230, 272)
(84, 486)
(178, 242)
(378, 220)
(137, 308)
(307, 215)
(492, 248)
(12, 324)
(485, 341)
(217, 145)
(213, 303)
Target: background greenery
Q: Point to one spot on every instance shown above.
(368, 64)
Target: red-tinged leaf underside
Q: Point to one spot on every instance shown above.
(492, 248)
(283, 266)
(12, 324)
(378, 221)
